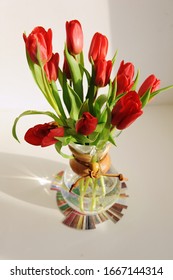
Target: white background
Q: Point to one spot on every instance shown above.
(142, 31)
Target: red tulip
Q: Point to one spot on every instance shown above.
(150, 83)
(50, 138)
(99, 47)
(124, 77)
(103, 70)
(43, 134)
(126, 110)
(51, 67)
(87, 124)
(74, 37)
(39, 45)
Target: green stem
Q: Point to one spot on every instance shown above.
(95, 92)
(49, 95)
(93, 201)
(87, 180)
(57, 98)
(103, 185)
(82, 193)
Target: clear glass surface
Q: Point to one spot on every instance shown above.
(104, 199)
(91, 195)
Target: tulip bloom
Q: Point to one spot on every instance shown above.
(98, 48)
(43, 134)
(103, 70)
(50, 138)
(124, 77)
(87, 124)
(151, 83)
(51, 67)
(126, 110)
(74, 37)
(39, 45)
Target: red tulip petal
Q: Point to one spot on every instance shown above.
(32, 137)
(127, 121)
(49, 139)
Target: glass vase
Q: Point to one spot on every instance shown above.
(90, 184)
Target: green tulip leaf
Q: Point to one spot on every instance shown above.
(84, 108)
(103, 116)
(86, 73)
(111, 139)
(49, 94)
(43, 84)
(93, 136)
(160, 90)
(119, 96)
(114, 57)
(98, 106)
(63, 82)
(81, 139)
(75, 103)
(136, 80)
(80, 59)
(70, 97)
(58, 147)
(91, 91)
(101, 100)
(103, 136)
(36, 72)
(112, 92)
(100, 127)
(66, 140)
(70, 123)
(75, 72)
(57, 99)
(32, 112)
(146, 97)
(116, 99)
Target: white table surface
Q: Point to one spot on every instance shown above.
(31, 224)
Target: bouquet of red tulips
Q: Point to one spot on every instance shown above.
(81, 113)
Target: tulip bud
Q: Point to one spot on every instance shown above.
(87, 124)
(51, 67)
(150, 83)
(39, 45)
(124, 77)
(98, 48)
(103, 70)
(74, 37)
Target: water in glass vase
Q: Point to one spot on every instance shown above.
(91, 184)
